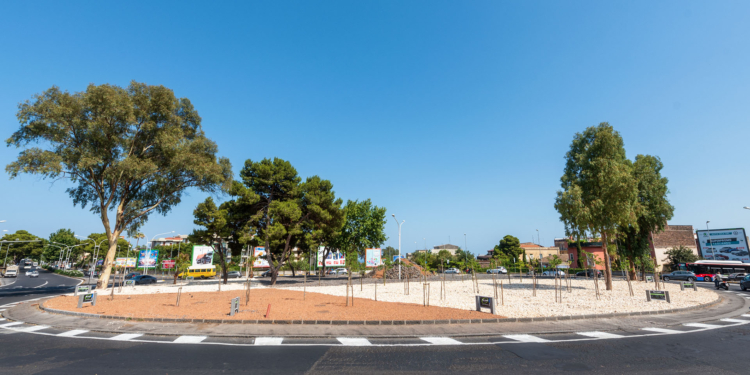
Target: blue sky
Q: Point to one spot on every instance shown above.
(456, 116)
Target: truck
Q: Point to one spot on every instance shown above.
(11, 271)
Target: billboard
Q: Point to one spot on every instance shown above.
(373, 257)
(167, 264)
(125, 262)
(148, 259)
(202, 256)
(261, 261)
(335, 258)
(723, 244)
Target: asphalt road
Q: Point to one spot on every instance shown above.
(717, 351)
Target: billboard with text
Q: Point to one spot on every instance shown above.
(261, 260)
(203, 256)
(373, 257)
(334, 258)
(723, 244)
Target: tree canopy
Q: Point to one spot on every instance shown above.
(131, 151)
(509, 247)
(21, 250)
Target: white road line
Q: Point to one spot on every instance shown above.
(525, 338)
(268, 340)
(31, 328)
(189, 339)
(701, 325)
(6, 325)
(441, 341)
(353, 341)
(1, 319)
(662, 330)
(745, 315)
(45, 283)
(72, 333)
(733, 320)
(599, 335)
(126, 336)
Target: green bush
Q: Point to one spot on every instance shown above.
(69, 273)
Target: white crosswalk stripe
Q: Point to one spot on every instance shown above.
(353, 341)
(268, 340)
(733, 320)
(10, 324)
(661, 330)
(441, 340)
(745, 315)
(701, 325)
(526, 338)
(126, 336)
(31, 328)
(600, 335)
(189, 339)
(72, 333)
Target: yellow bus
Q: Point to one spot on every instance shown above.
(201, 272)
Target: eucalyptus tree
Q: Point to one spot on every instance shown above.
(129, 152)
(599, 193)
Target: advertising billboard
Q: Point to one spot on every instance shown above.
(260, 257)
(373, 257)
(335, 258)
(148, 259)
(125, 262)
(203, 256)
(723, 244)
(166, 264)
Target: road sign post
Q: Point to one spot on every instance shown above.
(662, 295)
(235, 306)
(87, 298)
(485, 302)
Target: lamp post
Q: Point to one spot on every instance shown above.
(399, 242)
(713, 253)
(538, 238)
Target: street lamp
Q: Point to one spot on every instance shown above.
(92, 269)
(399, 243)
(709, 240)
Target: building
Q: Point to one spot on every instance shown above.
(672, 236)
(592, 247)
(534, 251)
(168, 241)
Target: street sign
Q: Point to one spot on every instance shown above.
(485, 302)
(235, 306)
(87, 298)
(662, 295)
(82, 289)
(688, 284)
(649, 279)
(130, 283)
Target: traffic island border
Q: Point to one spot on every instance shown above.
(382, 322)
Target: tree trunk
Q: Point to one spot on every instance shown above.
(607, 264)
(631, 268)
(108, 261)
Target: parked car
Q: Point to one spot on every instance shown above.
(589, 273)
(144, 279)
(553, 273)
(32, 274)
(341, 271)
(745, 283)
(132, 275)
(88, 273)
(234, 275)
(737, 276)
(497, 270)
(266, 274)
(452, 270)
(679, 275)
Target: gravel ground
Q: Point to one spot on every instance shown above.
(518, 299)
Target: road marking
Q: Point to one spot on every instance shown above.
(31, 328)
(662, 330)
(701, 325)
(353, 341)
(599, 335)
(72, 333)
(268, 340)
(45, 283)
(441, 340)
(733, 320)
(126, 336)
(1, 319)
(745, 315)
(189, 339)
(6, 325)
(525, 338)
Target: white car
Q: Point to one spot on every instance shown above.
(341, 271)
(32, 274)
(497, 270)
(452, 270)
(552, 273)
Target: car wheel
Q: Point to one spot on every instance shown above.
(707, 278)
(690, 279)
(743, 287)
(666, 278)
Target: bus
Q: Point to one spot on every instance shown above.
(706, 270)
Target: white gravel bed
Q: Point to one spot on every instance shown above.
(519, 301)
(168, 287)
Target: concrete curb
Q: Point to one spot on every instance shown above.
(381, 322)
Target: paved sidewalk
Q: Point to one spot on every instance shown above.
(731, 305)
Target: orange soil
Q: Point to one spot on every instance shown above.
(285, 305)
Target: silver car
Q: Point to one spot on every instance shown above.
(679, 275)
(234, 275)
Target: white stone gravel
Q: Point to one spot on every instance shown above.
(519, 301)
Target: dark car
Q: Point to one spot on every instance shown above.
(88, 273)
(721, 257)
(234, 275)
(737, 276)
(679, 275)
(745, 283)
(589, 273)
(132, 275)
(728, 249)
(266, 274)
(144, 279)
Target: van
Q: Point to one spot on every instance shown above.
(201, 273)
(12, 271)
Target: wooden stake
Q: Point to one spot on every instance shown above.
(179, 294)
